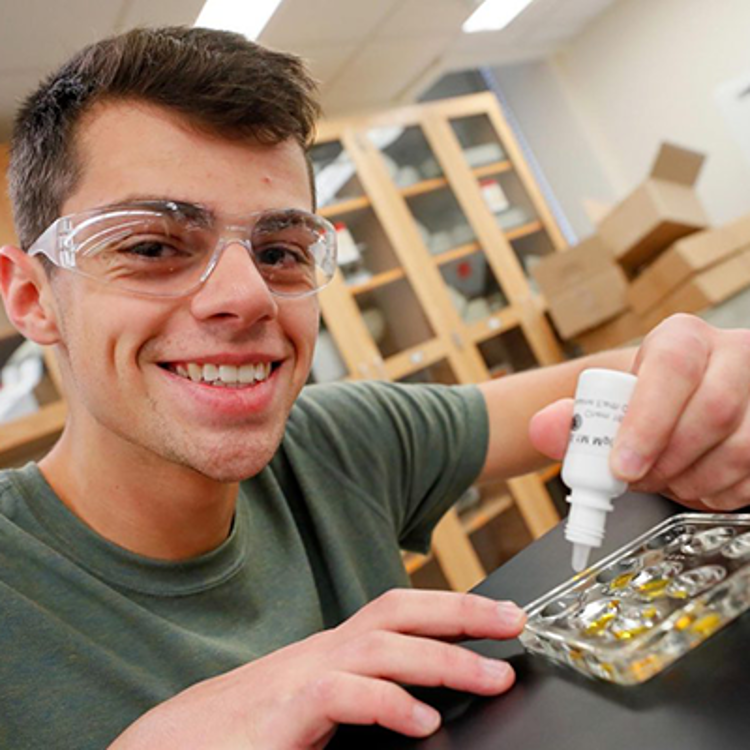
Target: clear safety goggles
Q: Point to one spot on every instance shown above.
(169, 249)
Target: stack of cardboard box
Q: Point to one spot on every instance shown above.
(583, 287)
(667, 258)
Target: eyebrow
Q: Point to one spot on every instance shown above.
(193, 211)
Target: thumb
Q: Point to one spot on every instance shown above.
(549, 428)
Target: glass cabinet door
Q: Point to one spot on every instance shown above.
(443, 227)
(387, 308)
(515, 209)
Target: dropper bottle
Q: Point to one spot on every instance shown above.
(601, 402)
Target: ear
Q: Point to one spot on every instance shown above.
(27, 296)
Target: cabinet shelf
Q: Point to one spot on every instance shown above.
(21, 437)
(438, 183)
(550, 472)
(347, 206)
(457, 253)
(474, 519)
(497, 323)
(415, 358)
(523, 231)
(380, 279)
(495, 168)
(414, 561)
(425, 186)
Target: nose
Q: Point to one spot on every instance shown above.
(235, 290)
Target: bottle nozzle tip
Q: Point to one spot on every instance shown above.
(581, 554)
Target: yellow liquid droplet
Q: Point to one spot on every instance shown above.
(679, 594)
(596, 627)
(646, 667)
(625, 635)
(683, 622)
(621, 581)
(707, 624)
(655, 588)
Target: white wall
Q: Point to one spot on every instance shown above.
(643, 72)
(557, 135)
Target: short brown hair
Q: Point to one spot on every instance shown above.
(219, 81)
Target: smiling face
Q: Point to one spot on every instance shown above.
(141, 373)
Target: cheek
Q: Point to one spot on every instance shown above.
(300, 321)
(103, 335)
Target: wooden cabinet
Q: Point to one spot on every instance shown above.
(439, 221)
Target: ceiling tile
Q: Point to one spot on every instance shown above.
(38, 34)
(298, 23)
(161, 13)
(426, 17)
(326, 62)
(388, 67)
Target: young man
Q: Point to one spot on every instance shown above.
(209, 556)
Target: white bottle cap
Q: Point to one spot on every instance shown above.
(581, 554)
(587, 517)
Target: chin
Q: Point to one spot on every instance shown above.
(230, 466)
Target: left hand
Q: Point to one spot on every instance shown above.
(687, 430)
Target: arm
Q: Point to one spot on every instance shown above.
(295, 697)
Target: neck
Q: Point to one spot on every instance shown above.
(175, 514)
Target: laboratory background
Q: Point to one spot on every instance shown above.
(512, 184)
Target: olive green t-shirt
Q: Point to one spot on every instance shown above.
(92, 636)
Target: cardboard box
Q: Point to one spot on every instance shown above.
(590, 302)
(714, 285)
(657, 213)
(622, 330)
(684, 258)
(556, 273)
(583, 286)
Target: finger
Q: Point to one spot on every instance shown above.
(344, 698)
(422, 661)
(730, 499)
(713, 414)
(439, 614)
(549, 429)
(721, 468)
(670, 367)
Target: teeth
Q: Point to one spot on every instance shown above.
(228, 373)
(224, 374)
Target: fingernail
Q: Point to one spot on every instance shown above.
(510, 614)
(628, 464)
(428, 719)
(495, 670)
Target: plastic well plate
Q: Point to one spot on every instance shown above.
(646, 605)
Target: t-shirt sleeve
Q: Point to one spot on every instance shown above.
(412, 449)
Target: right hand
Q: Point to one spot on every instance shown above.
(294, 698)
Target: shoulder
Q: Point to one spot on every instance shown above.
(378, 397)
(11, 493)
(392, 414)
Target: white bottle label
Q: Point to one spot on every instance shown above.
(595, 424)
